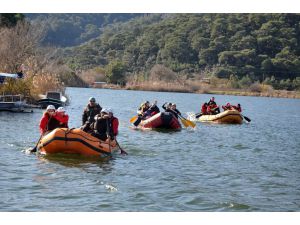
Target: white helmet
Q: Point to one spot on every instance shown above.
(50, 107)
(105, 111)
(110, 110)
(61, 109)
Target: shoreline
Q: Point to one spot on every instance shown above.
(216, 91)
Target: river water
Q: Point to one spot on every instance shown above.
(250, 167)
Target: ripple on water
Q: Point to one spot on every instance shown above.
(233, 206)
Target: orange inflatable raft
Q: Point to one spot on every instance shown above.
(75, 141)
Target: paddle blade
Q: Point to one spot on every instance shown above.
(184, 122)
(247, 118)
(190, 123)
(133, 119)
(123, 152)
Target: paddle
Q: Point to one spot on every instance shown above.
(186, 122)
(246, 118)
(123, 152)
(133, 119)
(34, 149)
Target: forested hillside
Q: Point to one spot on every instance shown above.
(255, 47)
(71, 29)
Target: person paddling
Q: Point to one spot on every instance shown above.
(203, 110)
(62, 117)
(228, 106)
(171, 107)
(48, 122)
(213, 108)
(89, 112)
(142, 112)
(105, 125)
(152, 110)
(238, 107)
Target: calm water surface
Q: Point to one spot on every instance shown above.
(248, 167)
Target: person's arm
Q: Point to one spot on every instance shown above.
(84, 116)
(99, 108)
(177, 111)
(66, 120)
(43, 124)
(164, 106)
(115, 126)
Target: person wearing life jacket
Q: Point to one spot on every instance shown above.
(175, 111)
(103, 126)
(152, 110)
(143, 108)
(89, 113)
(171, 107)
(146, 111)
(48, 121)
(203, 110)
(227, 107)
(213, 107)
(238, 107)
(114, 122)
(167, 106)
(62, 117)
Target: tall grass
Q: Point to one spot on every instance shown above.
(20, 48)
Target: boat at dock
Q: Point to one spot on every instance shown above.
(14, 103)
(52, 98)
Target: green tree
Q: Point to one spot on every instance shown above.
(115, 72)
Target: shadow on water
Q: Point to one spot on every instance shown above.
(78, 161)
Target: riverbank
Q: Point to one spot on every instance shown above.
(259, 91)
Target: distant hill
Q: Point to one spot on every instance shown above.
(70, 29)
(258, 46)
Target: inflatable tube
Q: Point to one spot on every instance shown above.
(75, 141)
(163, 120)
(228, 116)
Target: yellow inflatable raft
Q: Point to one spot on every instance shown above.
(228, 116)
(75, 141)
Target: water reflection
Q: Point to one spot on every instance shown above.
(78, 161)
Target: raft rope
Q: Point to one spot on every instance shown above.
(69, 131)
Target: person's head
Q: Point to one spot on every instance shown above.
(110, 112)
(239, 105)
(228, 104)
(212, 99)
(61, 110)
(205, 104)
(104, 112)
(169, 105)
(92, 101)
(173, 106)
(50, 109)
(147, 103)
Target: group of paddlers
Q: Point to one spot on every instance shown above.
(147, 110)
(101, 123)
(96, 121)
(211, 108)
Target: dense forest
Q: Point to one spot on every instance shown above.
(253, 47)
(71, 29)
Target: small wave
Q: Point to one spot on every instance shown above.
(235, 206)
(240, 147)
(111, 188)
